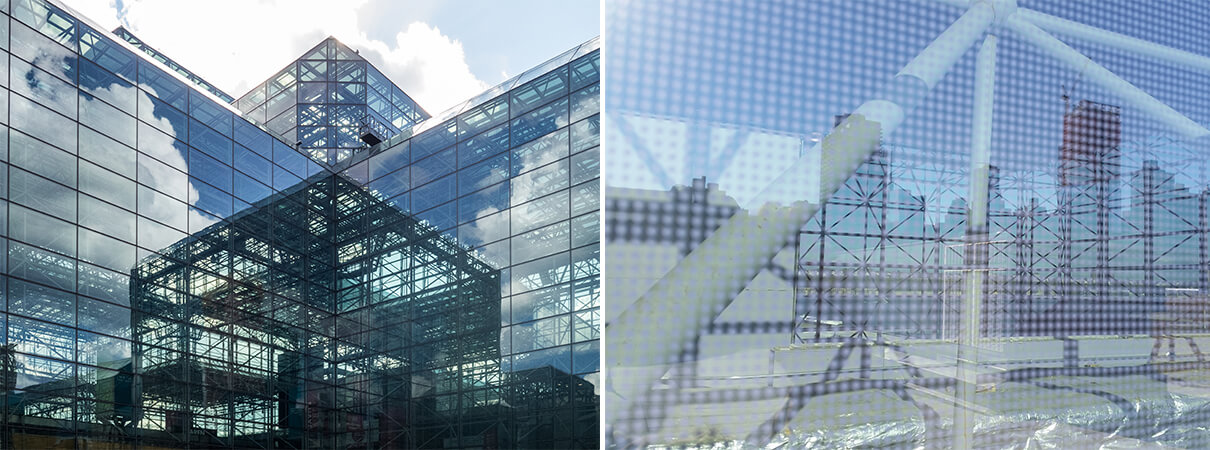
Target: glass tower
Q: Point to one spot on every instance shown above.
(181, 274)
(329, 103)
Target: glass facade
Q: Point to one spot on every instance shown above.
(331, 103)
(129, 37)
(177, 276)
(952, 224)
(513, 175)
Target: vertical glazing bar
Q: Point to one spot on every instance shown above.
(976, 243)
(648, 337)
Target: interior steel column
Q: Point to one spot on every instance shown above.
(977, 250)
(648, 337)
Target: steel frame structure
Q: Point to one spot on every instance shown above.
(648, 338)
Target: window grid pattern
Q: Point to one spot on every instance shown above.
(516, 180)
(327, 100)
(177, 277)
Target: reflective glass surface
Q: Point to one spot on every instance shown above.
(514, 189)
(175, 275)
(328, 100)
(906, 224)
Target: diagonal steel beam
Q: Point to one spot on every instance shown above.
(648, 337)
(1115, 40)
(1106, 79)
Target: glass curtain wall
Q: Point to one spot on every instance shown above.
(329, 102)
(514, 175)
(178, 277)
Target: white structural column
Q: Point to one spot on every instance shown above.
(1106, 79)
(646, 339)
(977, 251)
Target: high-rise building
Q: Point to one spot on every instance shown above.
(318, 264)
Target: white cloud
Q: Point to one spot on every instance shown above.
(237, 44)
(102, 12)
(430, 66)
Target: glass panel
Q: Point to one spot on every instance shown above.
(539, 122)
(97, 47)
(378, 81)
(107, 119)
(105, 251)
(540, 212)
(110, 286)
(585, 229)
(162, 177)
(392, 184)
(483, 174)
(250, 190)
(541, 152)
(586, 134)
(487, 227)
(153, 235)
(259, 168)
(585, 166)
(41, 194)
(43, 160)
(482, 146)
(162, 208)
(48, 19)
(348, 93)
(280, 102)
(209, 113)
(433, 140)
(289, 158)
(433, 193)
(43, 52)
(490, 114)
(107, 219)
(390, 159)
(586, 70)
(42, 123)
(540, 182)
(585, 102)
(209, 170)
(165, 118)
(252, 138)
(163, 86)
(41, 230)
(541, 242)
(41, 87)
(107, 152)
(539, 91)
(433, 167)
(484, 202)
(281, 82)
(41, 266)
(313, 70)
(108, 87)
(107, 185)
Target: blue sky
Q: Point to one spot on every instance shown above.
(440, 52)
